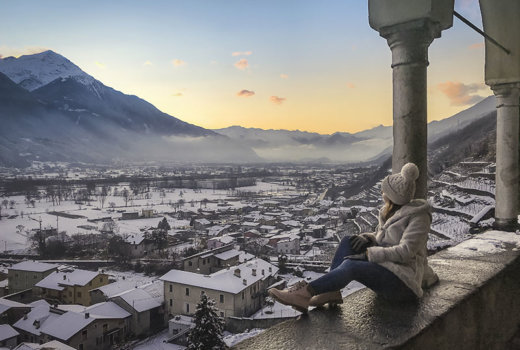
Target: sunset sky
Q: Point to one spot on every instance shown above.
(291, 64)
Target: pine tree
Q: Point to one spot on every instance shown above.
(164, 225)
(207, 333)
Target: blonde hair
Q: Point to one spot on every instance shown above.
(389, 208)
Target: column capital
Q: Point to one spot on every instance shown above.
(508, 95)
(409, 41)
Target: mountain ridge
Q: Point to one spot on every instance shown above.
(74, 117)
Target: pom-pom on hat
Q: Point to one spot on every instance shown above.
(400, 188)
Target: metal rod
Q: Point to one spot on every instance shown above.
(475, 28)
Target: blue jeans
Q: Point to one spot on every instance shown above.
(372, 275)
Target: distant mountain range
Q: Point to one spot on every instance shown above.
(51, 110)
(365, 146)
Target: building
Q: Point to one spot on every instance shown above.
(137, 245)
(130, 215)
(53, 344)
(29, 325)
(178, 329)
(237, 291)
(84, 331)
(71, 286)
(145, 304)
(26, 274)
(10, 310)
(210, 261)
(217, 242)
(99, 326)
(288, 245)
(8, 336)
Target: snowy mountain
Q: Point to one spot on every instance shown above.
(34, 71)
(369, 145)
(51, 110)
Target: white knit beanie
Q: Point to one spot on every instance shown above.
(400, 188)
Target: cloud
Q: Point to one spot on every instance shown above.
(240, 53)
(245, 93)
(242, 64)
(461, 94)
(351, 86)
(178, 94)
(148, 63)
(100, 65)
(477, 46)
(284, 76)
(6, 51)
(177, 62)
(277, 100)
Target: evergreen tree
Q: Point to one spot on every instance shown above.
(164, 225)
(207, 334)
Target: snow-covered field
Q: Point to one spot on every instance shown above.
(19, 220)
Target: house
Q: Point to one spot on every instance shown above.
(145, 304)
(85, 331)
(132, 215)
(266, 228)
(71, 286)
(138, 244)
(147, 213)
(217, 242)
(210, 261)
(53, 344)
(104, 293)
(237, 291)
(288, 245)
(10, 310)
(251, 234)
(8, 336)
(29, 325)
(26, 274)
(201, 224)
(218, 230)
(178, 329)
(101, 325)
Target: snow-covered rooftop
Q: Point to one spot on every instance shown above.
(58, 280)
(114, 288)
(6, 304)
(223, 239)
(225, 280)
(40, 313)
(134, 238)
(33, 266)
(7, 332)
(139, 299)
(107, 309)
(66, 325)
(228, 254)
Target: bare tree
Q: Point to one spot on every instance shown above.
(126, 195)
(103, 195)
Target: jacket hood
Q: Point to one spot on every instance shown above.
(414, 207)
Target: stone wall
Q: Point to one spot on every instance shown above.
(475, 305)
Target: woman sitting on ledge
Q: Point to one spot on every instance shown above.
(392, 262)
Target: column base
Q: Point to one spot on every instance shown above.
(509, 225)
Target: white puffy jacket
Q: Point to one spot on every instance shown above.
(401, 245)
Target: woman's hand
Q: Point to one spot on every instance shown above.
(359, 243)
(362, 256)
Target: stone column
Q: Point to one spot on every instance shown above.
(409, 43)
(508, 114)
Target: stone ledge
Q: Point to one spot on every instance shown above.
(476, 305)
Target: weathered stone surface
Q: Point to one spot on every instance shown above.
(475, 305)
